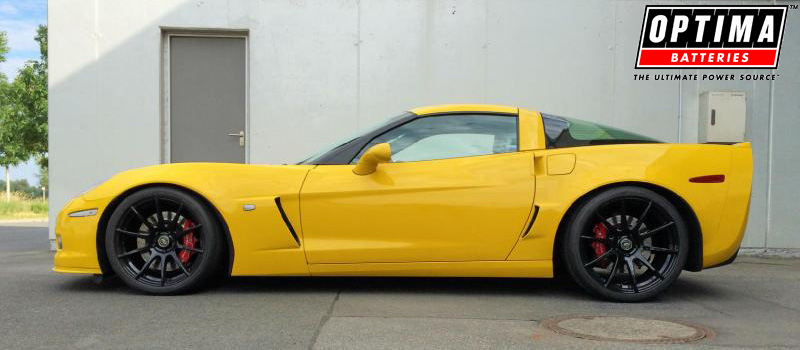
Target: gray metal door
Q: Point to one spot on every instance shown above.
(207, 99)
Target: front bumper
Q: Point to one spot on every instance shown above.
(76, 238)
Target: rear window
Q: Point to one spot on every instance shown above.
(567, 132)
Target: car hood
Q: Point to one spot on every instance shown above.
(208, 179)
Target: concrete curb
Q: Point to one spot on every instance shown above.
(26, 222)
(782, 253)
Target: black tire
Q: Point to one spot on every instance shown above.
(598, 249)
(172, 253)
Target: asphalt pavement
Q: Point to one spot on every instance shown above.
(753, 303)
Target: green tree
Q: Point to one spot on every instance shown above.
(43, 175)
(3, 51)
(28, 190)
(23, 121)
(29, 91)
(11, 152)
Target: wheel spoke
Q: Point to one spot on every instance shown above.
(163, 270)
(604, 240)
(136, 234)
(133, 252)
(647, 264)
(599, 258)
(159, 218)
(194, 250)
(143, 220)
(656, 230)
(180, 264)
(641, 217)
(183, 232)
(600, 216)
(613, 271)
(623, 221)
(177, 214)
(660, 250)
(146, 266)
(632, 273)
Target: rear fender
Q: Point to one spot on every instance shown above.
(668, 166)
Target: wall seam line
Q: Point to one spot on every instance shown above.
(358, 65)
(613, 63)
(768, 206)
(486, 52)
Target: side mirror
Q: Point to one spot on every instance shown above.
(380, 153)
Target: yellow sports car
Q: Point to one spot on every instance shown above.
(452, 190)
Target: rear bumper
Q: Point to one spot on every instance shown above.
(726, 262)
(721, 246)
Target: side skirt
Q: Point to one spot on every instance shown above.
(530, 269)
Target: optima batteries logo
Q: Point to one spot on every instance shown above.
(711, 36)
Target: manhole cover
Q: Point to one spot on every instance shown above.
(627, 329)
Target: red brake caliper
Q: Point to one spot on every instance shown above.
(188, 241)
(600, 231)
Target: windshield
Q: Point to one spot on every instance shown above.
(341, 143)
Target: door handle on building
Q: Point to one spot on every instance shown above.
(240, 134)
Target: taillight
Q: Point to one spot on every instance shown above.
(708, 179)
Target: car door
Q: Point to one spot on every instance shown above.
(456, 189)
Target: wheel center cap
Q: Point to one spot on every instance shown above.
(163, 241)
(625, 244)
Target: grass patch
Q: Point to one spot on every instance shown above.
(22, 207)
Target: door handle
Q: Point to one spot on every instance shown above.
(240, 134)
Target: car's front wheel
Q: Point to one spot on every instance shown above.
(625, 244)
(161, 240)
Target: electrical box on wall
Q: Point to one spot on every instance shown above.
(722, 116)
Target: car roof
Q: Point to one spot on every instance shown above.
(464, 108)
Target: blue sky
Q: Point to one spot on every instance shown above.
(19, 19)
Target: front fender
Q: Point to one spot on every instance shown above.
(262, 242)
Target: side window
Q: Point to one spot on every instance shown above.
(449, 136)
(568, 132)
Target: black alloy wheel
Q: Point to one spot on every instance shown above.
(626, 244)
(163, 241)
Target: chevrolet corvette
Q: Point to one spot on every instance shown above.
(450, 190)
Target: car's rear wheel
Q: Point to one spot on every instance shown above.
(625, 244)
(162, 240)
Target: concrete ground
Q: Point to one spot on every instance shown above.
(754, 303)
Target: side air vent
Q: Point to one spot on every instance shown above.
(286, 220)
(533, 219)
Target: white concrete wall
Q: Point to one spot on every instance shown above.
(320, 69)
